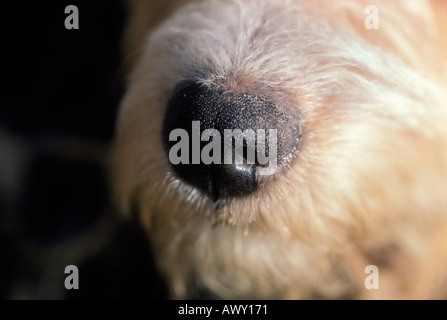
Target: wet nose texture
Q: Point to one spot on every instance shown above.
(192, 101)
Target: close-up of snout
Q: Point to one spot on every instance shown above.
(276, 149)
(224, 142)
(224, 149)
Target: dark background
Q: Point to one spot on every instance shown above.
(58, 104)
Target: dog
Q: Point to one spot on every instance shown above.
(357, 96)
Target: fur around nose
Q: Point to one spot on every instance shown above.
(193, 104)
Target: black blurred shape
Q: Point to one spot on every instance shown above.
(65, 85)
(123, 270)
(61, 198)
(58, 80)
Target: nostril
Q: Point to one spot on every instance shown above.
(233, 180)
(215, 140)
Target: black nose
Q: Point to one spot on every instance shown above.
(211, 160)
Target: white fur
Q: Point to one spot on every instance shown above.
(371, 171)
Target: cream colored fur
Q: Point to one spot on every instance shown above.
(369, 183)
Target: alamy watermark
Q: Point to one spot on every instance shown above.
(372, 280)
(72, 20)
(72, 280)
(372, 18)
(248, 141)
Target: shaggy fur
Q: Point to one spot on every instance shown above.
(368, 185)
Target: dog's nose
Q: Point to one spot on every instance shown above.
(224, 143)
